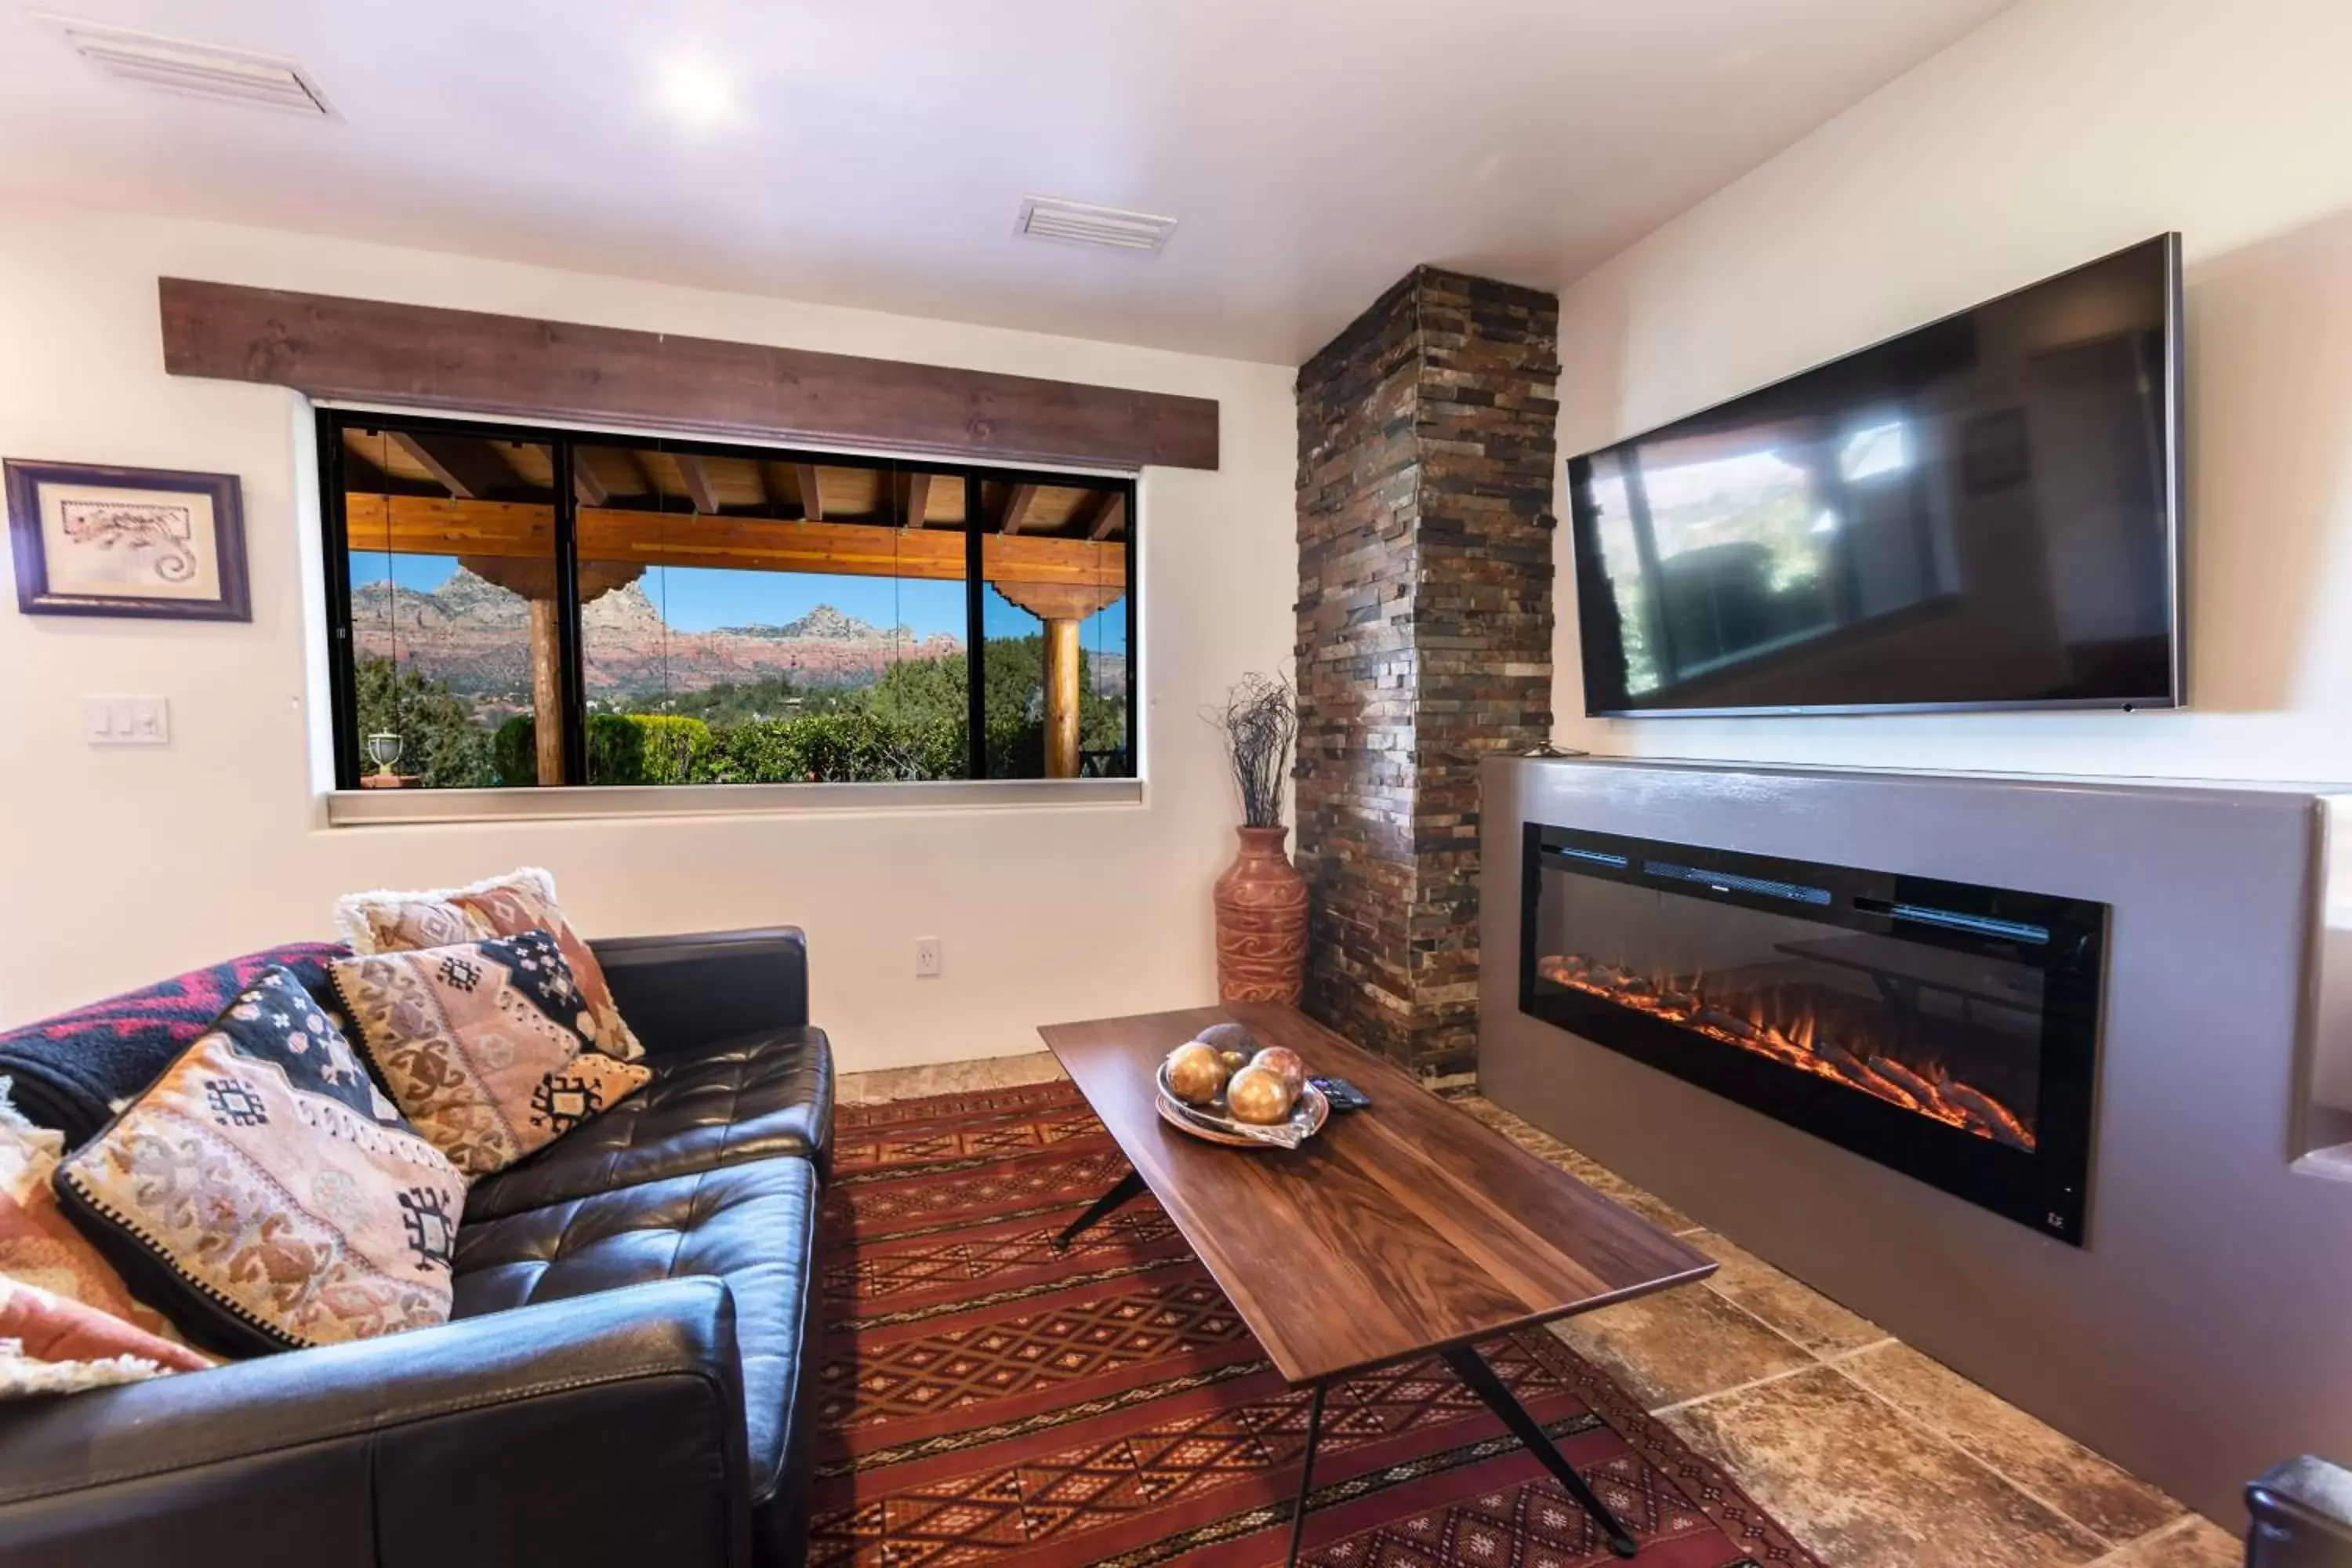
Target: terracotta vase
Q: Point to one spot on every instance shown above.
(1261, 922)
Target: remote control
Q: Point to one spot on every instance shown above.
(1344, 1096)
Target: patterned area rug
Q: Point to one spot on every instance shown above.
(986, 1400)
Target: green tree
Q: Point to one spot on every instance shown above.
(622, 748)
(847, 747)
(724, 703)
(921, 690)
(440, 740)
(1014, 675)
(932, 691)
(910, 723)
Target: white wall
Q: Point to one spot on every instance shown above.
(2060, 131)
(120, 866)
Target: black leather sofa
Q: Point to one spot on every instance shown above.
(622, 1381)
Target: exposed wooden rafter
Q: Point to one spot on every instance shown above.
(586, 487)
(693, 474)
(468, 469)
(360, 470)
(918, 499)
(1015, 511)
(647, 485)
(1108, 514)
(812, 493)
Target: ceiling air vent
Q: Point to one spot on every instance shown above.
(199, 70)
(1082, 223)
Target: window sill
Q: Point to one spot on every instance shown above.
(379, 807)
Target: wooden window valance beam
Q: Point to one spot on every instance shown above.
(419, 356)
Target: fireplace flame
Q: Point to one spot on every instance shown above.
(1795, 1039)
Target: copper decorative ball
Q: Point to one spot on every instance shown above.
(1195, 1073)
(1289, 1064)
(1259, 1096)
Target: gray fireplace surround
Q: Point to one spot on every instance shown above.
(2204, 1330)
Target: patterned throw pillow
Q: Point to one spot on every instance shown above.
(477, 1043)
(38, 1245)
(265, 1193)
(520, 901)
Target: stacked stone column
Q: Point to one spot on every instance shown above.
(1425, 460)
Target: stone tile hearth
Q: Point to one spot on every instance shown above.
(951, 1077)
(1874, 1455)
(2047, 1464)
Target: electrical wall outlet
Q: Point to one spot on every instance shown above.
(927, 958)
(126, 721)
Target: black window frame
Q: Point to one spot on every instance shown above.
(560, 441)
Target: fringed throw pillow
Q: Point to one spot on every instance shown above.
(479, 1044)
(50, 1344)
(520, 901)
(265, 1193)
(39, 1246)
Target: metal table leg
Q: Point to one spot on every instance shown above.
(1471, 1369)
(1130, 1188)
(1306, 1475)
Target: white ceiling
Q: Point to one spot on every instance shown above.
(877, 150)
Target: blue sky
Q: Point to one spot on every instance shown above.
(697, 600)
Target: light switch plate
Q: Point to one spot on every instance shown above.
(927, 957)
(126, 721)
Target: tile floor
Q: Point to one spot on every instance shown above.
(1875, 1455)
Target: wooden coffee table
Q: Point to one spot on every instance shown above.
(1398, 1231)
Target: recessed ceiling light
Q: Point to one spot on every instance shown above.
(197, 71)
(1083, 223)
(696, 92)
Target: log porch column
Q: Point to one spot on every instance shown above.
(1062, 698)
(1063, 609)
(532, 578)
(547, 689)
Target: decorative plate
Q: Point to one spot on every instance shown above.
(1210, 1123)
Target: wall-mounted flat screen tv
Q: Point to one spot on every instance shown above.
(1981, 513)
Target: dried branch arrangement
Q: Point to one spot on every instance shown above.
(1260, 719)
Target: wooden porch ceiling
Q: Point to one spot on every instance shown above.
(444, 525)
(646, 480)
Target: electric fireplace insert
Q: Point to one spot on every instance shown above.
(1948, 1030)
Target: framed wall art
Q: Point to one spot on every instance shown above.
(127, 542)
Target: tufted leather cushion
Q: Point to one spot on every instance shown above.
(754, 1096)
(751, 1225)
(680, 992)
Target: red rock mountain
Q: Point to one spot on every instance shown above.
(476, 637)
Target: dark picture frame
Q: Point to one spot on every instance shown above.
(171, 541)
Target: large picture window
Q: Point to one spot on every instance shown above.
(513, 607)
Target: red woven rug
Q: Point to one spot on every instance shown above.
(983, 1399)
